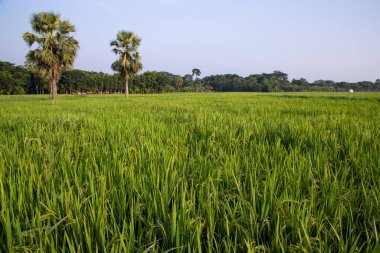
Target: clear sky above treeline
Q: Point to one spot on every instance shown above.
(318, 39)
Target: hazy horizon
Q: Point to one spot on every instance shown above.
(322, 39)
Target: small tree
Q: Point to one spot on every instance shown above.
(129, 62)
(55, 47)
(178, 82)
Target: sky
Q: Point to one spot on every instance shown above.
(315, 39)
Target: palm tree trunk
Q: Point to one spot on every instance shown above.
(126, 87)
(53, 89)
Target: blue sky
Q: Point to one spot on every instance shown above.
(316, 39)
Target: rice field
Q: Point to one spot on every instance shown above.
(190, 172)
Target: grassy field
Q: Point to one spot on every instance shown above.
(227, 172)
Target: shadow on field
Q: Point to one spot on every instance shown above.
(9, 98)
(339, 97)
(293, 96)
(350, 98)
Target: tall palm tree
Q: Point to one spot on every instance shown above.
(129, 62)
(56, 48)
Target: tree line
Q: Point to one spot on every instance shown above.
(26, 80)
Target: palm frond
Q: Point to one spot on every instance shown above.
(45, 22)
(29, 38)
(66, 27)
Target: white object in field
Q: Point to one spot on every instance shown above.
(350, 90)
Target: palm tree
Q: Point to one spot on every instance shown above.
(56, 48)
(196, 72)
(129, 62)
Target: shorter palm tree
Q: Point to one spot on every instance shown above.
(196, 72)
(129, 62)
(55, 47)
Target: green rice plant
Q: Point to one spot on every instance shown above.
(194, 172)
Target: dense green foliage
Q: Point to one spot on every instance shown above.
(20, 80)
(188, 172)
(74, 81)
(278, 81)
